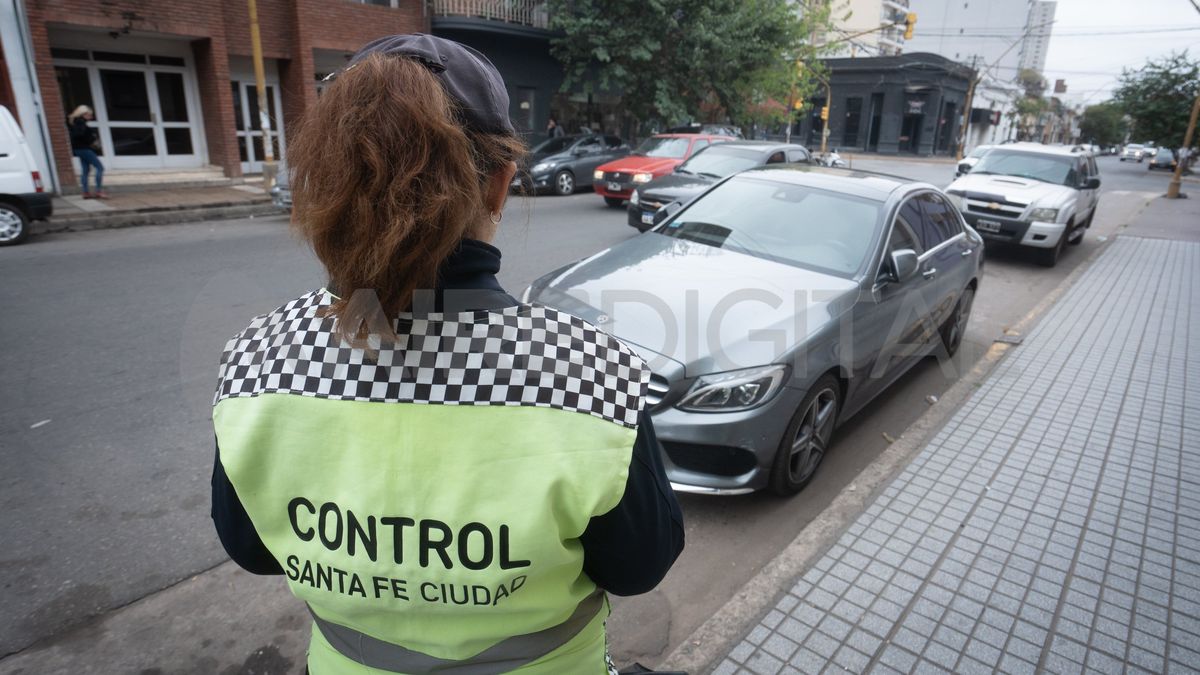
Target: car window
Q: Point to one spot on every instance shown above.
(590, 143)
(718, 161)
(940, 221)
(909, 220)
(552, 145)
(1047, 168)
(612, 141)
(1092, 169)
(827, 231)
(699, 145)
(775, 158)
(797, 156)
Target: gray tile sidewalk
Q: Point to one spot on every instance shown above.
(1052, 525)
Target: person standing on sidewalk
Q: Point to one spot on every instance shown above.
(450, 479)
(84, 143)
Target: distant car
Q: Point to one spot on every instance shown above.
(22, 196)
(1032, 195)
(1149, 150)
(563, 164)
(1163, 159)
(772, 308)
(971, 158)
(656, 156)
(712, 129)
(281, 192)
(705, 168)
(1134, 152)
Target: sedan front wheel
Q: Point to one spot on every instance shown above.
(807, 438)
(564, 183)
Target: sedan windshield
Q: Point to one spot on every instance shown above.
(791, 224)
(1056, 169)
(717, 161)
(663, 146)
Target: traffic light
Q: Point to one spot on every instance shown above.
(910, 20)
(824, 112)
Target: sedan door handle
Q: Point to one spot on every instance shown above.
(929, 273)
(966, 252)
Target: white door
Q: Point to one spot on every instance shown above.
(146, 117)
(249, 125)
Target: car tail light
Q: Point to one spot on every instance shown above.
(37, 181)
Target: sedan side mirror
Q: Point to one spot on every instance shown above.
(667, 211)
(1092, 184)
(904, 264)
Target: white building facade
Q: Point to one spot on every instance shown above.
(879, 17)
(985, 34)
(1037, 42)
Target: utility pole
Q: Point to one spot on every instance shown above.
(1173, 186)
(966, 117)
(260, 83)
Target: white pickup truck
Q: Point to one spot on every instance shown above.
(1030, 194)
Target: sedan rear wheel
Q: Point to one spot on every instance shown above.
(956, 326)
(807, 439)
(564, 183)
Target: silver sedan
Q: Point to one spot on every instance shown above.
(772, 308)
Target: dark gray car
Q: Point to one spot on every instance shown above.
(772, 308)
(566, 163)
(704, 169)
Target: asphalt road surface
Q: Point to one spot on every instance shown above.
(113, 339)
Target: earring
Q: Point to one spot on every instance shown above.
(496, 217)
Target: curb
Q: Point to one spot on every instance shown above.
(708, 644)
(157, 216)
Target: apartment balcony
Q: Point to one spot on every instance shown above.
(515, 17)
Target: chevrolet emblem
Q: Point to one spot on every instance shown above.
(994, 206)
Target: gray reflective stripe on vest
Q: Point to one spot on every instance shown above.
(508, 654)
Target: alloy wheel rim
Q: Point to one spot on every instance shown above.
(812, 438)
(960, 321)
(10, 225)
(565, 184)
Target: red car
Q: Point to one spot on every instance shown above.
(656, 156)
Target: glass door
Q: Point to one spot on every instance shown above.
(144, 116)
(249, 125)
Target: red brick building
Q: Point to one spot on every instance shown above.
(172, 81)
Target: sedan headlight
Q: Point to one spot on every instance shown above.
(643, 177)
(1044, 215)
(543, 167)
(597, 175)
(734, 390)
(633, 198)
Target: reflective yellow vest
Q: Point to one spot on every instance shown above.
(428, 505)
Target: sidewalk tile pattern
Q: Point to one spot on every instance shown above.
(1052, 525)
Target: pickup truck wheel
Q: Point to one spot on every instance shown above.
(1048, 257)
(614, 202)
(14, 226)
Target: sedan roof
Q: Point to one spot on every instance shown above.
(760, 145)
(865, 184)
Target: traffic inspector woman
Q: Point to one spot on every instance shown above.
(450, 479)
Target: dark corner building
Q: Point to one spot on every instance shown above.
(515, 35)
(905, 104)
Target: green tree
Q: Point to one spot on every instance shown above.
(1103, 124)
(669, 58)
(1158, 98)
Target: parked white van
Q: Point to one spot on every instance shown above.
(22, 196)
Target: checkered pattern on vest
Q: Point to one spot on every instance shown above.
(527, 355)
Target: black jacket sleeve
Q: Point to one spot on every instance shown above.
(629, 550)
(234, 529)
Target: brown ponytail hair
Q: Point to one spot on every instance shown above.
(386, 182)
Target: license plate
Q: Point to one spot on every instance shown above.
(614, 187)
(647, 218)
(987, 226)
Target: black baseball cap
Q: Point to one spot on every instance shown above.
(467, 76)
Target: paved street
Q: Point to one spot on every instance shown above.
(107, 442)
